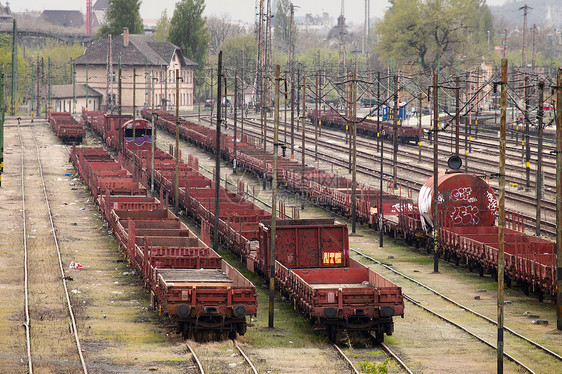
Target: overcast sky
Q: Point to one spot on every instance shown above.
(237, 9)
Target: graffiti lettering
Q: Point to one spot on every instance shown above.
(465, 215)
(463, 193)
(492, 203)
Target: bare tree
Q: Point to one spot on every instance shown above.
(220, 29)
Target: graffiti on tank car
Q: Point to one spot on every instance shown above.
(465, 215)
(440, 198)
(463, 194)
(492, 203)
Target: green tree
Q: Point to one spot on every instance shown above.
(120, 14)
(188, 31)
(234, 47)
(162, 27)
(282, 25)
(433, 30)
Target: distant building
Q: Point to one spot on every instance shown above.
(64, 95)
(6, 14)
(101, 5)
(147, 56)
(99, 9)
(64, 18)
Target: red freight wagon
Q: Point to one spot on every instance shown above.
(187, 279)
(206, 298)
(529, 261)
(66, 127)
(304, 244)
(352, 298)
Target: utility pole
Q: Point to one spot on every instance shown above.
(303, 118)
(218, 156)
(274, 199)
(73, 88)
(420, 132)
(33, 89)
(119, 93)
(2, 124)
(134, 113)
(38, 96)
(292, 67)
(86, 86)
(108, 72)
(177, 177)
(559, 199)
(457, 117)
(285, 116)
(526, 141)
(538, 181)
(243, 98)
(298, 92)
(525, 9)
(264, 129)
(354, 168)
(45, 86)
(348, 116)
(435, 174)
(235, 118)
(466, 120)
(152, 144)
(395, 131)
(316, 117)
(50, 87)
(14, 68)
(379, 135)
(501, 215)
(534, 46)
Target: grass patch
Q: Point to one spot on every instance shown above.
(290, 328)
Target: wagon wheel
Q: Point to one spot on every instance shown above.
(379, 336)
(539, 294)
(332, 332)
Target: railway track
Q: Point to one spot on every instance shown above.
(531, 352)
(49, 347)
(524, 346)
(514, 197)
(386, 348)
(201, 369)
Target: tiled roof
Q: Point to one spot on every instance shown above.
(64, 91)
(101, 5)
(142, 50)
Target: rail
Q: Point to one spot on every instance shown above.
(25, 260)
(346, 359)
(195, 358)
(56, 242)
(248, 361)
